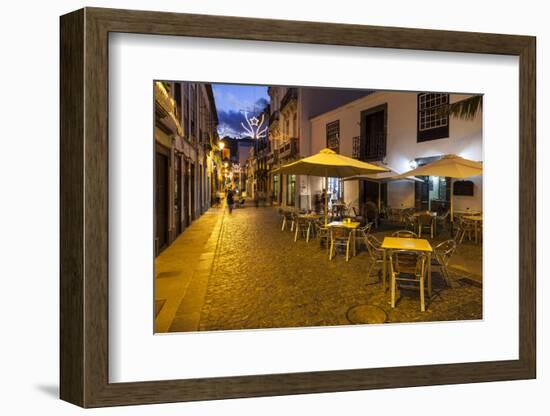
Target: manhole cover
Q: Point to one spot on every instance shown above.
(367, 314)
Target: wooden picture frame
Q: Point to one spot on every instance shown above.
(84, 207)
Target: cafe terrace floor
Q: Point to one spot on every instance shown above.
(240, 271)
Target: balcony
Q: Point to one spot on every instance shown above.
(273, 157)
(273, 117)
(290, 149)
(165, 109)
(290, 96)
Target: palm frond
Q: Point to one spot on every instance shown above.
(464, 109)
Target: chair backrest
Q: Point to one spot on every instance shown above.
(425, 219)
(445, 250)
(340, 232)
(404, 234)
(374, 247)
(364, 231)
(406, 261)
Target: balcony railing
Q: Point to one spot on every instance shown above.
(166, 108)
(375, 147)
(356, 147)
(289, 149)
(273, 157)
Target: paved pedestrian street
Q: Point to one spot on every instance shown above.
(240, 271)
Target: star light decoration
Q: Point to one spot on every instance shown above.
(255, 127)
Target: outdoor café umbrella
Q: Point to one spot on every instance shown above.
(380, 178)
(328, 164)
(452, 166)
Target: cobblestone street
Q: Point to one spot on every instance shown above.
(260, 278)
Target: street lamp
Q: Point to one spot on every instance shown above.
(221, 145)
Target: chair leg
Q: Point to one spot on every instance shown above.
(307, 234)
(370, 269)
(296, 234)
(422, 306)
(392, 283)
(330, 250)
(347, 251)
(284, 224)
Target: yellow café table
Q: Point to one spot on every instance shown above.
(411, 244)
(354, 225)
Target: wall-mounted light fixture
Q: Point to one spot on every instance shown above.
(413, 164)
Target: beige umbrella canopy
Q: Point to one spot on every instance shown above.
(329, 164)
(452, 166)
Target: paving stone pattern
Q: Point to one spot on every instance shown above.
(261, 278)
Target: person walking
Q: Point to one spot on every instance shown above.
(230, 200)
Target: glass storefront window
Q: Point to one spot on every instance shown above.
(290, 189)
(335, 189)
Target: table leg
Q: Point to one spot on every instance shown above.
(430, 275)
(354, 243)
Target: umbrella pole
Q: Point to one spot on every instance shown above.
(452, 200)
(326, 200)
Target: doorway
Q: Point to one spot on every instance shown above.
(434, 192)
(373, 133)
(161, 199)
(178, 192)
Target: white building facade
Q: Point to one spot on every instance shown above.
(399, 130)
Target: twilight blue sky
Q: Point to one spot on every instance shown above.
(231, 102)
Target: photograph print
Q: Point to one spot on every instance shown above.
(291, 207)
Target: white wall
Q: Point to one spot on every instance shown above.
(29, 222)
(402, 146)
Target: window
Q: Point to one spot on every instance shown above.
(290, 189)
(193, 114)
(333, 136)
(276, 186)
(431, 124)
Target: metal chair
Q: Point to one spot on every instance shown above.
(288, 217)
(376, 254)
(465, 227)
(425, 221)
(322, 233)
(362, 233)
(302, 227)
(339, 237)
(442, 220)
(404, 234)
(407, 267)
(442, 255)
